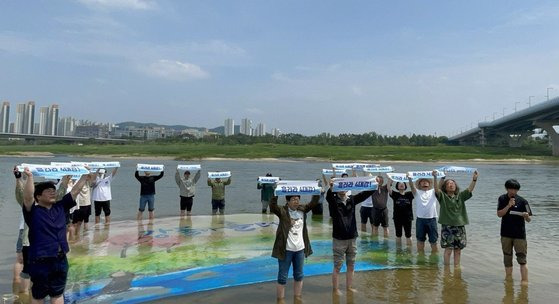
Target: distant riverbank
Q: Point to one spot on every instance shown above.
(277, 152)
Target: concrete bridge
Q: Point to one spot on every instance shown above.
(517, 126)
(33, 137)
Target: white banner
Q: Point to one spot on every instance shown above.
(54, 172)
(150, 168)
(297, 188)
(354, 184)
(189, 167)
(331, 172)
(354, 166)
(378, 169)
(415, 175)
(97, 165)
(60, 164)
(268, 179)
(223, 174)
(456, 169)
(398, 177)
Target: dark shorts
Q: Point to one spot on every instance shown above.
(25, 270)
(186, 202)
(102, 205)
(380, 217)
(426, 226)
(48, 276)
(218, 204)
(82, 214)
(317, 210)
(366, 214)
(453, 237)
(400, 223)
(147, 199)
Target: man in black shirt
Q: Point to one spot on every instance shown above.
(514, 211)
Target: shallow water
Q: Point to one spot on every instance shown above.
(479, 281)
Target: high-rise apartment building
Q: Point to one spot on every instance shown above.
(261, 129)
(276, 132)
(66, 126)
(246, 126)
(29, 118)
(5, 117)
(43, 120)
(229, 127)
(19, 122)
(52, 122)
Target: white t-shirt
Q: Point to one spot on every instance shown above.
(102, 189)
(295, 240)
(425, 204)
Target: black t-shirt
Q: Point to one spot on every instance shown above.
(402, 205)
(513, 226)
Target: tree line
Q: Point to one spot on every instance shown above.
(366, 139)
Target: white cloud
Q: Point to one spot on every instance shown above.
(175, 70)
(119, 4)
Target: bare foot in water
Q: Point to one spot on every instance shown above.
(352, 290)
(336, 292)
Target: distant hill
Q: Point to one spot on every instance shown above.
(125, 124)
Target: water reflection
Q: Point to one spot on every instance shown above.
(455, 289)
(511, 296)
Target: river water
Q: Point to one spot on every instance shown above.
(479, 281)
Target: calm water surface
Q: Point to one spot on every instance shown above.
(479, 281)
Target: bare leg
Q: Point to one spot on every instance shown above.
(151, 215)
(508, 273)
(447, 254)
(408, 242)
(385, 232)
(280, 291)
(57, 300)
(97, 219)
(434, 248)
(420, 247)
(375, 230)
(457, 254)
(349, 278)
(107, 219)
(364, 227)
(523, 274)
(139, 216)
(335, 275)
(183, 213)
(297, 288)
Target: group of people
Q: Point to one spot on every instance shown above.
(292, 242)
(43, 241)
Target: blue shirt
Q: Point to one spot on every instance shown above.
(47, 228)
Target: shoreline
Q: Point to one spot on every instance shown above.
(273, 159)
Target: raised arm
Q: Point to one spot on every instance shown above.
(474, 180)
(210, 182)
(197, 176)
(114, 171)
(77, 188)
(361, 196)
(178, 178)
(137, 175)
(412, 186)
(314, 202)
(159, 176)
(435, 184)
(63, 186)
(274, 208)
(28, 190)
(228, 182)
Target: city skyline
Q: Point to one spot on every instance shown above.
(435, 67)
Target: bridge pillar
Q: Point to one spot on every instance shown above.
(551, 134)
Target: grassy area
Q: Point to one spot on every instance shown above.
(187, 151)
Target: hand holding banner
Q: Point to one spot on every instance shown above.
(54, 172)
(297, 188)
(398, 177)
(268, 179)
(354, 184)
(223, 174)
(150, 168)
(189, 167)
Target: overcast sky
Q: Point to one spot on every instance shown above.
(393, 67)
